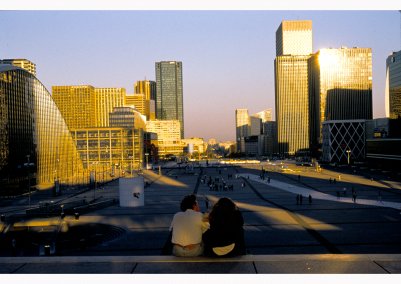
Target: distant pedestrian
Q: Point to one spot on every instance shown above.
(268, 179)
(300, 199)
(329, 180)
(14, 246)
(334, 181)
(338, 195)
(310, 199)
(297, 199)
(354, 196)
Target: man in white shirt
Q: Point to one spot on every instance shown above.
(188, 227)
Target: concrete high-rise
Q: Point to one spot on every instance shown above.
(169, 92)
(393, 85)
(340, 87)
(293, 50)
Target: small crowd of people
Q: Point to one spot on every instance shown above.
(217, 233)
(217, 184)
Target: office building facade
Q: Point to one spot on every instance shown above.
(293, 49)
(106, 100)
(294, 38)
(146, 87)
(343, 141)
(34, 138)
(110, 151)
(87, 106)
(139, 102)
(22, 63)
(168, 137)
(340, 87)
(393, 85)
(169, 92)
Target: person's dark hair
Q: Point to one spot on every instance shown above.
(188, 202)
(223, 211)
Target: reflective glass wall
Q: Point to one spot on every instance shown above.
(34, 138)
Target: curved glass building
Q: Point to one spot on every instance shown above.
(34, 138)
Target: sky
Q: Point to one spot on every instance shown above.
(227, 55)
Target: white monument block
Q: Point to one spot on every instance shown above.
(131, 192)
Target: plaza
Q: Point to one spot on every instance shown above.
(329, 233)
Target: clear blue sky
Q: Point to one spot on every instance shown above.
(227, 56)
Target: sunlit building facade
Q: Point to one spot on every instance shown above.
(340, 87)
(110, 150)
(265, 115)
(22, 63)
(293, 49)
(292, 104)
(146, 87)
(77, 105)
(168, 136)
(106, 100)
(140, 103)
(393, 85)
(294, 38)
(127, 117)
(241, 126)
(87, 106)
(32, 125)
(195, 144)
(169, 92)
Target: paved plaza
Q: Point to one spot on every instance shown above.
(331, 233)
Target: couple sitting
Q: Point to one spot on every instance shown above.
(220, 233)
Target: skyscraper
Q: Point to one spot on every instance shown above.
(340, 87)
(169, 92)
(241, 126)
(393, 85)
(293, 49)
(294, 38)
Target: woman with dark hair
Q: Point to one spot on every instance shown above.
(225, 236)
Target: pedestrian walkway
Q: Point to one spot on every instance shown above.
(317, 194)
(248, 264)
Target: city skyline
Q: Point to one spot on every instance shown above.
(227, 56)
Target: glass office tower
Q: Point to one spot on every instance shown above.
(34, 138)
(393, 85)
(169, 92)
(340, 87)
(293, 49)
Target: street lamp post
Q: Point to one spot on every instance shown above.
(348, 155)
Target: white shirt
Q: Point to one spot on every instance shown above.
(188, 227)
